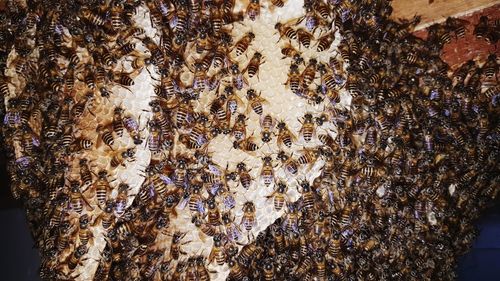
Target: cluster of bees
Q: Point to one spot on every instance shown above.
(410, 165)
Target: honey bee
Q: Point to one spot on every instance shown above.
(294, 78)
(286, 31)
(217, 252)
(255, 102)
(309, 73)
(105, 135)
(239, 131)
(102, 188)
(77, 200)
(254, 64)
(248, 145)
(267, 126)
(175, 248)
(120, 157)
(285, 136)
(242, 45)
(304, 37)
(233, 232)
(267, 171)
(253, 9)
(248, 220)
(289, 51)
(307, 131)
(84, 233)
(309, 157)
(279, 195)
(308, 197)
(76, 257)
(132, 127)
(290, 165)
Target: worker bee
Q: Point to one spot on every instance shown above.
(267, 171)
(279, 195)
(238, 80)
(307, 130)
(120, 157)
(255, 102)
(239, 131)
(217, 252)
(233, 232)
(253, 9)
(285, 30)
(132, 127)
(105, 135)
(248, 220)
(254, 64)
(244, 175)
(285, 136)
(175, 247)
(309, 73)
(304, 37)
(242, 45)
(267, 126)
(248, 145)
(102, 188)
(294, 78)
(290, 165)
(76, 257)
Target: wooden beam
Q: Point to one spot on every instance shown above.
(438, 10)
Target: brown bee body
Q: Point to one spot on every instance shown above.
(267, 171)
(254, 64)
(285, 30)
(285, 136)
(253, 9)
(279, 196)
(242, 45)
(248, 220)
(307, 131)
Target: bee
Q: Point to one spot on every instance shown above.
(244, 175)
(253, 9)
(132, 127)
(92, 17)
(84, 233)
(288, 51)
(309, 157)
(269, 270)
(290, 165)
(120, 157)
(239, 131)
(104, 266)
(200, 78)
(242, 45)
(286, 31)
(248, 220)
(175, 247)
(102, 188)
(76, 257)
(213, 213)
(278, 3)
(457, 26)
(491, 66)
(267, 171)
(255, 102)
(196, 203)
(121, 199)
(248, 145)
(106, 218)
(85, 173)
(304, 37)
(217, 252)
(308, 197)
(481, 28)
(236, 270)
(106, 136)
(233, 232)
(279, 195)
(205, 228)
(78, 109)
(285, 136)
(294, 79)
(307, 130)
(309, 73)
(254, 64)
(154, 139)
(267, 126)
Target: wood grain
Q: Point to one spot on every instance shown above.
(437, 11)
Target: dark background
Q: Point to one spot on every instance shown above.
(19, 261)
